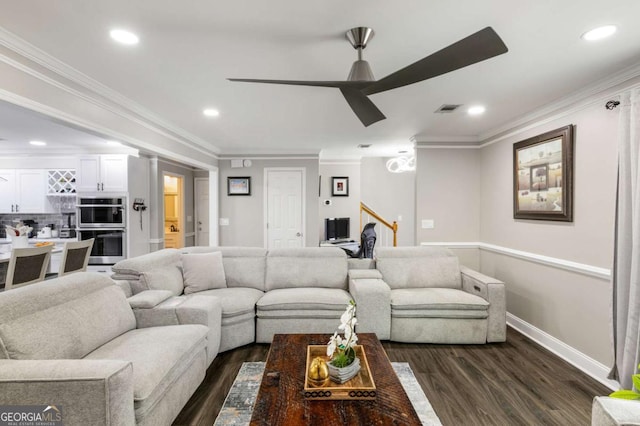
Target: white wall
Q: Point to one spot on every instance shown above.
(340, 206)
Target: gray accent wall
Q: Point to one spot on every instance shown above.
(391, 195)
(246, 213)
(138, 181)
(569, 306)
(448, 192)
(340, 206)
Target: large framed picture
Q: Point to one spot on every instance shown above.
(340, 186)
(543, 176)
(239, 185)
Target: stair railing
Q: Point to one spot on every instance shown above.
(391, 226)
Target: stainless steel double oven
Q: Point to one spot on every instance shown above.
(105, 220)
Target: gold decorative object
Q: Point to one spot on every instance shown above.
(318, 372)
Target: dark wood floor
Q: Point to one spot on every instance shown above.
(512, 383)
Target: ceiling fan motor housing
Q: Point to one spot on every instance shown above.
(360, 71)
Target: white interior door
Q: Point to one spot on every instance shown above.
(284, 189)
(202, 211)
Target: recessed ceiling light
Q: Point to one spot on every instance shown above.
(210, 112)
(113, 143)
(599, 33)
(124, 36)
(38, 143)
(476, 110)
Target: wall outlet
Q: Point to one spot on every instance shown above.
(428, 224)
(189, 219)
(399, 218)
(224, 221)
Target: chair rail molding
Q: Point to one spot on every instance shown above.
(581, 268)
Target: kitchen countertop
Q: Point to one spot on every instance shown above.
(39, 240)
(5, 256)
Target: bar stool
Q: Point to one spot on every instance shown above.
(27, 266)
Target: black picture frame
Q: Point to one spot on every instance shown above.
(543, 176)
(239, 185)
(339, 186)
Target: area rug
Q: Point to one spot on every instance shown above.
(238, 405)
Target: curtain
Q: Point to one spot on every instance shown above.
(626, 268)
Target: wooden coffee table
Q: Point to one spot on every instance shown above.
(280, 399)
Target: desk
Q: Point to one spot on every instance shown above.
(350, 245)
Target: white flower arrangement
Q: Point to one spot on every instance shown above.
(339, 349)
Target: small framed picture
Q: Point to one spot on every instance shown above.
(239, 185)
(340, 186)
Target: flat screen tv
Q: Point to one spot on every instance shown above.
(336, 228)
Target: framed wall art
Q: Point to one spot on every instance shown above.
(340, 186)
(239, 185)
(543, 176)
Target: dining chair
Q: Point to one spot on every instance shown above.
(75, 256)
(27, 266)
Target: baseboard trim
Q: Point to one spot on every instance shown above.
(581, 268)
(586, 364)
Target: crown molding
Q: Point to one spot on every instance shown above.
(115, 101)
(81, 123)
(270, 157)
(598, 92)
(343, 162)
(427, 140)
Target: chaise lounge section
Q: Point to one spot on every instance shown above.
(74, 342)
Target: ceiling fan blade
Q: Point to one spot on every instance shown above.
(366, 111)
(339, 84)
(477, 47)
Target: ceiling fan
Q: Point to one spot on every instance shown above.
(360, 84)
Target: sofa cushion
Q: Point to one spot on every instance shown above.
(160, 355)
(167, 278)
(416, 267)
(235, 301)
(306, 267)
(203, 271)
(303, 303)
(437, 303)
(63, 318)
(243, 266)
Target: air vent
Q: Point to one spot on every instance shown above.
(447, 108)
(364, 145)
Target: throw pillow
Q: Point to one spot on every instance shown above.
(203, 271)
(166, 278)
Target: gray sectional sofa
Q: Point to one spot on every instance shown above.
(411, 294)
(75, 343)
(134, 349)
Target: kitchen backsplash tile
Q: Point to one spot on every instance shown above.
(58, 220)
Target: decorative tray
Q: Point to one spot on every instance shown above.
(361, 386)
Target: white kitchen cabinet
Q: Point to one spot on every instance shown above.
(24, 191)
(102, 173)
